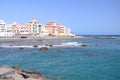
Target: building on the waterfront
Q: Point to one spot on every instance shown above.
(15, 29)
(5, 30)
(61, 30)
(69, 32)
(34, 26)
(20, 30)
(55, 29)
(34, 29)
(52, 28)
(25, 31)
(44, 31)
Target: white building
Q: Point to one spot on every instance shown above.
(24, 30)
(69, 33)
(5, 30)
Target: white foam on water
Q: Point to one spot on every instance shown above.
(21, 46)
(67, 44)
(71, 43)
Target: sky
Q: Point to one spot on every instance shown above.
(83, 17)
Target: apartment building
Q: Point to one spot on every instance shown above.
(55, 29)
(44, 31)
(61, 30)
(51, 26)
(34, 29)
(34, 26)
(5, 30)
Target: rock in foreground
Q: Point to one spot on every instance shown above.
(15, 73)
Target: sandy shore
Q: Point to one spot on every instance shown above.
(37, 41)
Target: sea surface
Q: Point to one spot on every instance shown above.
(98, 61)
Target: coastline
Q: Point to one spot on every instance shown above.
(16, 73)
(37, 40)
(62, 63)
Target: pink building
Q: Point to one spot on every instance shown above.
(55, 29)
(51, 27)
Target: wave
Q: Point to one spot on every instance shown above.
(21, 46)
(67, 44)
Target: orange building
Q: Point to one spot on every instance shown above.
(55, 29)
(61, 30)
(51, 27)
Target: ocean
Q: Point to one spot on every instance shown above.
(98, 61)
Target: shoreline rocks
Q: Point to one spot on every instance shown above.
(43, 48)
(16, 73)
(36, 41)
(84, 45)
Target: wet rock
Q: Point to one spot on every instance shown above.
(16, 67)
(25, 76)
(35, 46)
(21, 48)
(50, 45)
(43, 48)
(84, 45)
(32, 74)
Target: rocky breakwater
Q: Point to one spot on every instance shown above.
(15, 73)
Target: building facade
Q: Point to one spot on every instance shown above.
(52, 28)
(55, 29)
(61, 30)
(20, 30)
(25, 30)
(15, 29)
(44, 31)
(5, 30)
(35, 27)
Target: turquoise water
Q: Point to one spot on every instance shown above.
(99, 61)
